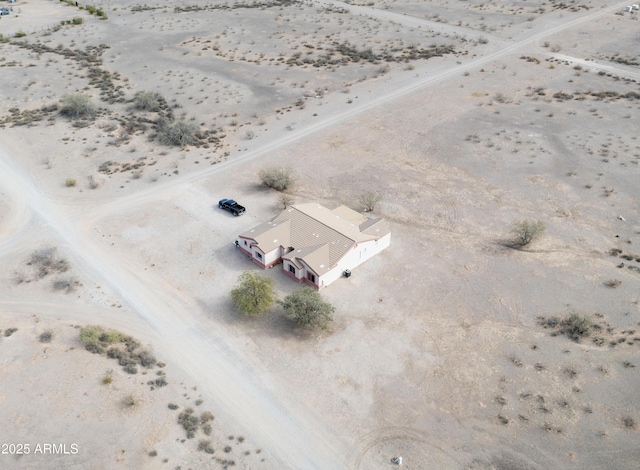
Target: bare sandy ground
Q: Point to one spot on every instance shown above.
(436, 352)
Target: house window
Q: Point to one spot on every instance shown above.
(292, 269)
(258, 255)
(245, 243)
(311, 277)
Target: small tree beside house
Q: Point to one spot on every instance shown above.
(308, 309)
(253, 294)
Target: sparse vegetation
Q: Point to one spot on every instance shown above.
(176, 133)
(66, 284)
(527, 231)
(278, 178)
(70, 182)
(46, 336)
(189, 422)
(130, 401)
(148, 101)
(575, 326)
(307, 307)
(253, 294)
(205, 445)
(285, 200)
(9, 331)
(369, 199)
(46, 262)
(78, 106)
(613, 283)
(107, 378)
(629, 423)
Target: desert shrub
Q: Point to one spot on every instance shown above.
(172, 406)
(130, 401)
(205, 446)
(228, 449)
(278, 178)
(9, 331)
(111, 336)
(369, 199)
(526, 231)
(95, 348)
(308, 309)
(160, 382)
(175, 133)
(77, 20)
(20, 34)
(123, 357)
(147, 101)
(285, 200)
(90, 334)
(69, 182)
(628, 422)
(45, 261)
(207, 429)
(46, 336)
(77, 106)
(253, 294)
(189, 422)
(206, 416)
(613, 283)
(107, 378)
(67, 284)
(91, 9)
(146, 359)
(100, 12)
(576, 326)
(130, 369)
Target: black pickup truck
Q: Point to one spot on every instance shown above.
(231, 206)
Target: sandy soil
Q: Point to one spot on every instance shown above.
(437, 352)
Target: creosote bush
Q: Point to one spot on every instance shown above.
(527, 231)
(77, 106)
(575, 326)
(147, 101)
(45, 262)
(66, 284)
(46, 336)
(277, 177)
(176, 133)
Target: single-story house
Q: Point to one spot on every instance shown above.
(316, 245)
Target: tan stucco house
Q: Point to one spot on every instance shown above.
(316, 245)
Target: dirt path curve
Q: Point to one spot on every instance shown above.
(234, 381)
(621, 70)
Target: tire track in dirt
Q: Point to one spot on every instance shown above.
(432, 448)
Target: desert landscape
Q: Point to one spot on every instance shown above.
(458, 347)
